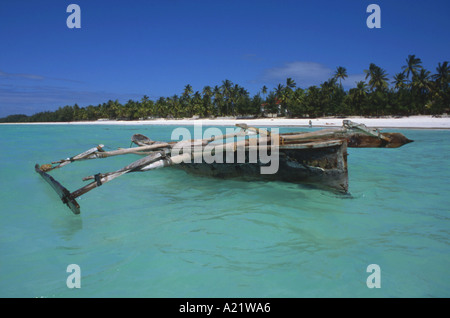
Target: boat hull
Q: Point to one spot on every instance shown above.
(322, 166)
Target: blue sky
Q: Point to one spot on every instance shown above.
(126, 49)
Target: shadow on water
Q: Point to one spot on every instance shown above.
(325, 191)
(339, 195)
(66, 227)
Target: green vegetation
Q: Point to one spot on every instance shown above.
(414, 91)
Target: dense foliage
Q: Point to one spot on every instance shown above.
(414, 91)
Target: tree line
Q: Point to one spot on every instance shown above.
(413, 91)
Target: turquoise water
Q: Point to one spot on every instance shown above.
(165, 233)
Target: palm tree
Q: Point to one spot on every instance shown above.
(197, 105)
(226, 87)
(296, 103)
(440, 97)
(284, 94)
(358, 96)
(369, 72)
(312, 101)
(442, 76)
(341, 74)
(401, 99)
(234, 97)
(186, 100)
(218, 100)
(110, 109)
(421, 87)
(161, 107)
(226, 91)
(207, 90)
(188, 90)
(378, 85)
(175, 107)
(362, 88)
(329, 85)
(145, 107)
(332, 96)
(290, 83)
(279, 90)
(241, 100)
(422, 81)
(207, 104)
(264, 91)
(378, 78)
(399, 81)
(280, 94)
(412, 65)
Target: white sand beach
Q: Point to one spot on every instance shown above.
(413, 122)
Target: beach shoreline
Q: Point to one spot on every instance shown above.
(412, 122)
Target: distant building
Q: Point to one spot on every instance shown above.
(265, 111)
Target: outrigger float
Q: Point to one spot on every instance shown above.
(318, 157)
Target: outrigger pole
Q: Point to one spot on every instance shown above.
(157, 156)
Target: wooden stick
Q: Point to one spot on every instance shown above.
(98, 152)
(316, 134)
(309, 145)
(154, 161)
(81, 156)
(62, 192)
(103, 178)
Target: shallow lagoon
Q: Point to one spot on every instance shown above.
(166, 233)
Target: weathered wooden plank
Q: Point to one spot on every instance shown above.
(309, 145)
(335, 132)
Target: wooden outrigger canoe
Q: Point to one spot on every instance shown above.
(318, 157)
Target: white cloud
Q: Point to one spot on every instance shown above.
(307, 74)
(352, 79)
(17, 75)
(28, 100)
(304, 73)
(14, 76)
